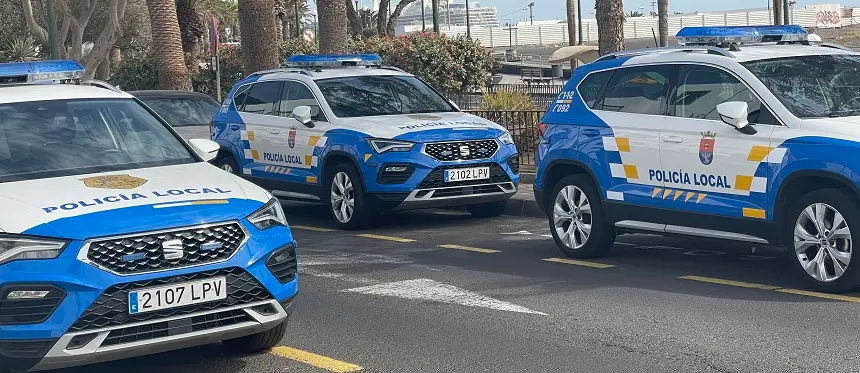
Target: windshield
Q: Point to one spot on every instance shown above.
(42, 139)
(366, 96)
(184, 111)
(813, 86)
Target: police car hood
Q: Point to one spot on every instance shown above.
(427, 127)
(95, 205)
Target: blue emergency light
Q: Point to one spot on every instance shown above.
(40, 71)
(741, 34)
(334, 60)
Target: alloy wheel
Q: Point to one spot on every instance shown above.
(572, 217)
(227, 167)
(342, 197)
(822, 242)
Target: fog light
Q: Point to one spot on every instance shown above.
(396, 168)
(27, 294)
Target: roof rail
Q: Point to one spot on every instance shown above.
(642, 52)
(282, 70)
(836, 46)
(392, 68)
(100, 84)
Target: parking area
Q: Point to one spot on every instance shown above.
(441, 291)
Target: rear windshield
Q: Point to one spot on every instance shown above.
(366, 96)
(184, 111)
(53, 138)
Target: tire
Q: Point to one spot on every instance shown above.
(228, 162)
(572, 241)
(362, 212)
(487, 210)
(806, 246)
(258, 342)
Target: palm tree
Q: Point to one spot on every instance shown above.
(167, 46)
(333, 35)
(257, 23)
(634, 14)
(663, 21)
(610, 25)
(571, 22)
(191, 25)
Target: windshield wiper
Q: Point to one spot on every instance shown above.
(844, 113)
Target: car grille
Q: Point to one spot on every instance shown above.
(436, 178)
(111, 308)
(467, 191)
(144, 253)
(454, 151)
(29, 311)
(176, 327)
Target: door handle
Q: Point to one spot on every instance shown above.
(590, 132)
(673, 139)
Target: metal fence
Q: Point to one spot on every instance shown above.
(523, 126)
(541, 94)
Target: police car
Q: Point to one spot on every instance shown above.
(747, 134)
(362, 138)
(118, 239)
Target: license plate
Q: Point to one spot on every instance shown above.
(177, 295)
(464, 174)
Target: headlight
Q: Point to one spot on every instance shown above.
(506, 138)
(381, 146)
(25, 248)
(268, 216)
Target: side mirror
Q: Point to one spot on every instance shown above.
(303, 115)
(206, 149)
(735, 113)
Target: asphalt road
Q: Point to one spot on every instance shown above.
(440, 291)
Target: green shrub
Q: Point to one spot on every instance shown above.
(230, 59)
(136, 73)
(296, 46)
(508, 100)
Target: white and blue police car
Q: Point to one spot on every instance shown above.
(747, 134)
(118, 238)
(362, 138)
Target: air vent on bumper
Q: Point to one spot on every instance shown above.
(282, 263)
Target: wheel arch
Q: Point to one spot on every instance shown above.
(799, 183)
(560, 168)
(336, 157)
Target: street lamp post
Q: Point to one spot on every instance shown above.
(435, 4)
(579, 15)
(298, 26)
(423, 20)
(52, 30)
(468, 22)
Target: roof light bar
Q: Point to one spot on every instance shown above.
(40, 71)
(334, 60)
(741, 34)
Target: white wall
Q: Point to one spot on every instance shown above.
(639, 27)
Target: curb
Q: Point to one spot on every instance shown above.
(523, 207)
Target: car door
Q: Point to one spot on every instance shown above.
(303, 143)
(633, 106)
(709, 166)
(261, 127)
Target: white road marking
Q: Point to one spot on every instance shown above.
(426, 289)
(523, 233)
(348, 259)
(337, 276)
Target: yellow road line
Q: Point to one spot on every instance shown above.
(315, 229)
(386, 238)
(467, 248)
(843, 298)
(579, 263)
(319, 361)
(729, 282)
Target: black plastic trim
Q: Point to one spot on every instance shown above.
(53, 293)
(21, 355)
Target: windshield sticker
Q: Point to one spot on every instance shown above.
(443, 124)
(113, 182)
(133, 196)
(424, 117)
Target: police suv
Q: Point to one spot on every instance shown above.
(362, 138)
(747, 134)
(118, 239)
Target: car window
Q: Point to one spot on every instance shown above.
(184, 111)
(297, 94)
(590, 87)
(364, 96)
(702, 88)
(638, 90)
(262, 97)
(240, 96)
(52, 138)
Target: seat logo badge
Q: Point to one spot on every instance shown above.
(172, 249)
(113, 182)
(706, 147)
(291, 140)
(464, 151)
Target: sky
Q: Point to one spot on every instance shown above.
(555, 9)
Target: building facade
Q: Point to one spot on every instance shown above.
(450, 14)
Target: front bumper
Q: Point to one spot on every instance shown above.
(92, 323)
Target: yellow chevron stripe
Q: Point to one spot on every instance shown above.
(689, 195)
(678, 194)
(666, 193)
(701, 197)
(656, 192)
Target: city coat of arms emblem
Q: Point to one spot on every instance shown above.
(706, 147)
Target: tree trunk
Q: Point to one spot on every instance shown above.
(107, 38)
(332, 26)
(392, 21)
(77, 47)
(571, 22)
(382, 18)
(352, 16)
(258, 26)
(610, 25)
(663, 18)
(167, 45)
(37, 31)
